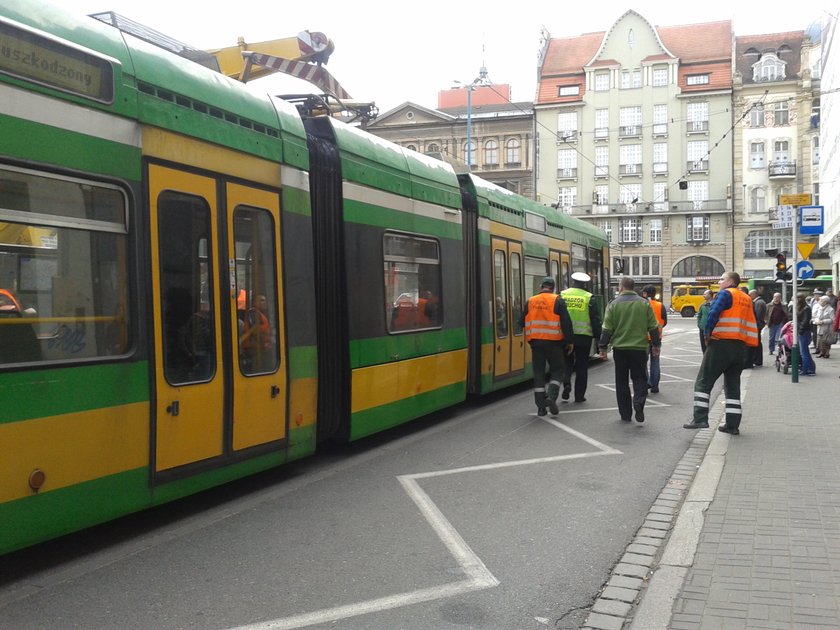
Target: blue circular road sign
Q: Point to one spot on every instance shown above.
(804, 270)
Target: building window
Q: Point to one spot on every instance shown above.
(567, 163)
(697, 79)
(759, 240)
(757, 115)
(815, 150)
(697, 229)
(758, 199)
(601, 196)
(770, 68)
(602, 123)
(411, 147)
(757, 155)
(660, 196)
(567, 126)
(630, 159)
(780, 151)
(567, 196)
(781, 115)
(433, 148)
(629, 195)
(602, 81)
(698, 116)
(602, 161)
(656, 231)
(469, 153)
(630, 120)
(512, 147)
(660, 120)
(694, 266)
(816, 194)
(697, 152)
(630, 232)
(698, 192)
(607, 227)
(568, 90)
(631, 79)
(660, 77)
(491, 153)
(660, 157)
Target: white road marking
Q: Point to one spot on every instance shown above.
(479, 576)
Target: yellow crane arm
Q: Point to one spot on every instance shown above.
(307, 46)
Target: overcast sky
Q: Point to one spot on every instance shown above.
(391, 60)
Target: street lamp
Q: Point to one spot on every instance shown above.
(481, 79)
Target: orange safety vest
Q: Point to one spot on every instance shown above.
(657, 311)
(541, 322)
(264, 334)
(738, 321)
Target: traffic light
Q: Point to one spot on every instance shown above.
(781, 266)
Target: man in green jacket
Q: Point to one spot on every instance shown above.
(703, 317)
(628, 321)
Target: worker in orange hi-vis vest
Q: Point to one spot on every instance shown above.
(730, 332)
(661, 315)
(549, 332)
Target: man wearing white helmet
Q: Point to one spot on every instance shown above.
(548, 331)
(586, 322)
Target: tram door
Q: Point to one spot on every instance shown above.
(259, 381)
(188, 365)
(508, 302)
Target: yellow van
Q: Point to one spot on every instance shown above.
(687, 298)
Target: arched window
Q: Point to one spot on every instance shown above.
(491, 152)
(758, 199)
(770, 68)
(433, 148)
(694, 266)
(411, 147)
(512, 152)
(469, 153)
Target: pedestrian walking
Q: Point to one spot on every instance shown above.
(803, 320)
(731, 332)
(703, 317)
(586, 322)
(755, 356)
(823, 318)
(777, 316)
(661, 315)
(630, 327)
(548, 330)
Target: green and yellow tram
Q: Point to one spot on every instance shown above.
(197, 283)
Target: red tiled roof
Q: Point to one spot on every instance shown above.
(568, 54)
(720, 76)
(698, 42)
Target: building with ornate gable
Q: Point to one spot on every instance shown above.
(634, 135)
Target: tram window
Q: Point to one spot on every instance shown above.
(516, 291)
(256, 308)
(579, 259)
(186, 288)
(566, 275)
(63, 268)
(596, 264)
(555, 273)
(412, 280)
(534, 274)
(500, 291)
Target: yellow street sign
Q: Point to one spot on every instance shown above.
(805, 249)
(795, 200)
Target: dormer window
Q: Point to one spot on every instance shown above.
(770, 68)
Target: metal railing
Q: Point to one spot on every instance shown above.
(782, 168)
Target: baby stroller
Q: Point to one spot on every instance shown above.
(783, 348)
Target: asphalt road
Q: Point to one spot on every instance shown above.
(483, 517)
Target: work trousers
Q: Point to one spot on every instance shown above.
(703, 341)
(547, 354)
(722, 356)
(632, 363)
(579, 364)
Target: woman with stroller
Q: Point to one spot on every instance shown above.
(823, 318)
(803, 317)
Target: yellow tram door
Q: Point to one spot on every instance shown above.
(253, 298)
(189, 378)
(508, 302)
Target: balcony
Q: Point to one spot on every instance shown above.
(565, 136)
(630, 131)
(697, 126)
(782, 169)
(566, 173)
(602, 172)
(697, 166)
(630, 169)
